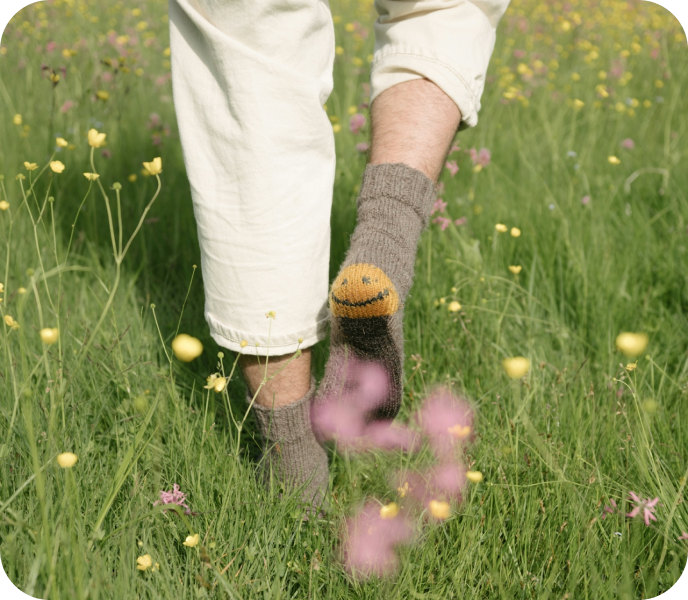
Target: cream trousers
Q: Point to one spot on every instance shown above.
(250, 78)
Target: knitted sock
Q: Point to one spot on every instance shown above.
(367, 297)
(291, 451)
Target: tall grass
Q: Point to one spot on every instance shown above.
(579, 430)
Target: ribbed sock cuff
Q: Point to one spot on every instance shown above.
(286, 423)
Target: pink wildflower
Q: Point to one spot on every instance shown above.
(356, 123)
(519, 53)
(455, 148)
(585, 200)
(50, 46)
(173, 497)
(646, 506)
(609, 510)
(481, 157)
(684, 536)
(452, 166)
(106, 76)
(442, 222)
(369, 544)
(461, 221)
(628, 144)
(362, 147)
(438, 206)
(343, 413)
(385, 436)
(66, 107)
(446, 420)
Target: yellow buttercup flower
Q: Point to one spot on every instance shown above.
(243, 343)
(21, 290)
(632, 366)
(515, 269)
(474, 476)
(403, 490)
(61, 142)
(91, 176)
(578, 103)
(439, 510)
(4, 205)
(454, 306)
(459, 431)
(516, 367)
(17, 119)
(10, 322)
(56, 166)
(154, 167)
(515, 232)
(144, 562)
(216, 382)
(103, 95)
(132, 178)
(613, 160)
(632, 344)
(186, 347)
(30, 166)
(389, 511)
(192, 540)
(49, 335)
(96, 139)
(67, 460)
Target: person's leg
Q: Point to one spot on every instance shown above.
(427, 76)
(250, 80)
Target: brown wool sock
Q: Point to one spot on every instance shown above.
(367, 297)
(290, 449)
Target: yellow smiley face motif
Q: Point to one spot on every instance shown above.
(361, 291)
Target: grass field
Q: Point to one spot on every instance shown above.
(585, 118)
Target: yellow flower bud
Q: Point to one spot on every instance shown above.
(632, 344)
(454, 306)
(243, 343)
(50, 335)
(67, 460)
(613, 160)
(474, 476)
(186, 347)
(4, 205)
(439, 510)
(389, 511)
(515, 232)
(220, 384)
(516, 367)
(501, 227)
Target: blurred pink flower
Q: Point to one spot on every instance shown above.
(66, 107)
(357, 122)
(438, 206)
(481, 157)
(50, 46)
(446, 420)
(684, 536)
(342, 414)
(585, 200)
(444, 482)
(452, 166)
(386, 436)
(654, 53)
(628, 144)
(609, 510)
(106, 76)
(461, 221)
(362, 147)
(369, 542)
(106, 153)
(442, 222)
(440, 188)
(519, 53)
(175, 496)
(646, 506)
(617, 70)
(454, 148)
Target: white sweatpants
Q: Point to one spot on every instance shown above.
(250, 78)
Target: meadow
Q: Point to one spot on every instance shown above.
(581, 147)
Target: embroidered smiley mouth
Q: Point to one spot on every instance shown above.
(380, 296)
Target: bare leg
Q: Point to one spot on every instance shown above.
(413, 123)
(291, 383)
